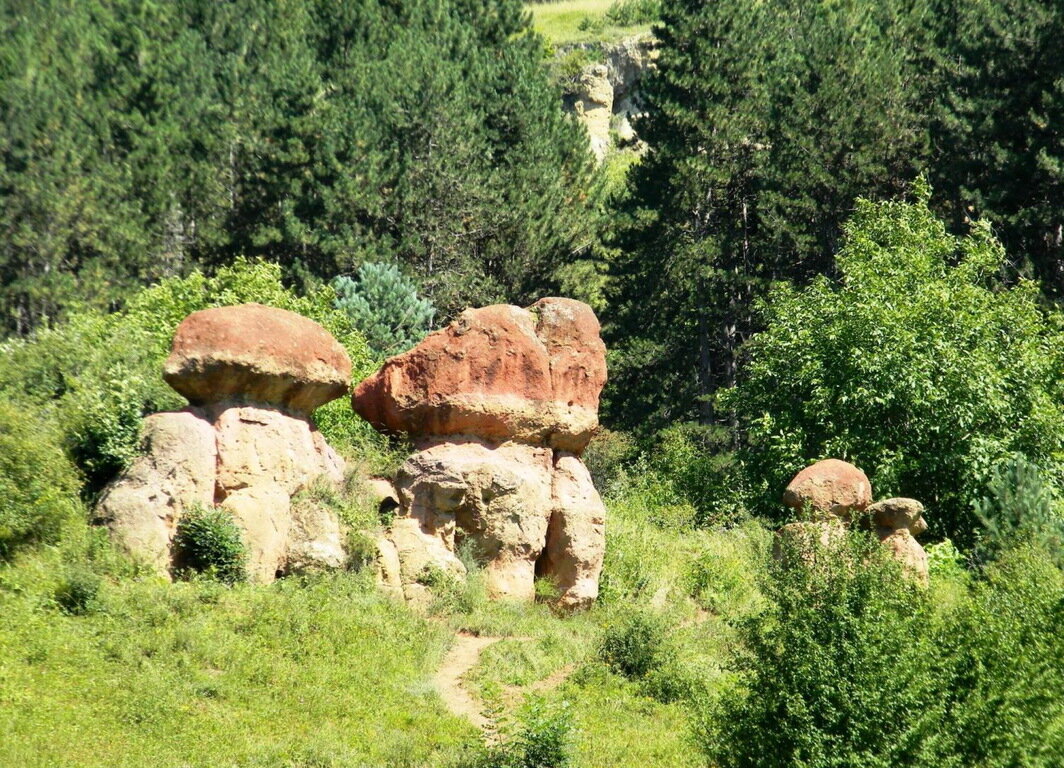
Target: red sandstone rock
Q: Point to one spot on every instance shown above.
(498, 373)
(830, 487)
(252, 353)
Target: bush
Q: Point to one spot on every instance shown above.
(839, 646)
(635, 646)
(607, 455)
(77, 594)
(38, 484)
(916, 364)
(628, 13)
(542, 739)
(1020, 508)
(383, 304)
(209, 542)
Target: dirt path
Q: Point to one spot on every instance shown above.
(463, 656)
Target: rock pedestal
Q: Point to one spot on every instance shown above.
(500, 404)
(247, 443)
(897, 523)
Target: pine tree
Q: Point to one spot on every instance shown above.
(383, 304)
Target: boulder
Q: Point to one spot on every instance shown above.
(497, 496)
(593, 106)
(174, 471)
(256, 354)
(576, 535)
(830, 488)
(897, 523)
(263, 514)
(799, 543)
(906, 550)
(491, 374)
(315, 539)
(897, 513)
(263, 446)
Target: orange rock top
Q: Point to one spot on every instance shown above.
(500, 373)
(253, 353)
(830, 487)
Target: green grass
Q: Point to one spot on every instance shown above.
(560, 22)
(326, 672)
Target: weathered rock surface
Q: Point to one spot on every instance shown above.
(593, 107)
(250, 449)
(898, 522)
(499, 403)
(174, 471)
(829, 488)
(256, 354)
(491, 373)
(799, 543)
(576, 534)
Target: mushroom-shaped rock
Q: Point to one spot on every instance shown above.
(253, 353)
(830, 488)
(499, 373)
(898, 522)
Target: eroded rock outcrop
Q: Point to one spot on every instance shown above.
(247, 443)
(499, 404)
(834, 494)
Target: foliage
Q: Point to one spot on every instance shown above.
(607, 455)
(996, 81)
(916, 365)
(38, 484)
(208, 541)
(78, 593)
(385, 307)
(764, 121)
(141, 141)
(635, 646)
(842, 639)
(625, 13)
(542, 739)
(1020, 508)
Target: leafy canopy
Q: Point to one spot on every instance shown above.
(917, 365)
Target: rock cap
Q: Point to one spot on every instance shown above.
(831, 488)
(254, 353)
(499, 373)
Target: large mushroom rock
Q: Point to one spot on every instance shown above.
(829, 488)
(500, 373)
(251, 447)
(251, 353)
(897, 522)
(500, 404)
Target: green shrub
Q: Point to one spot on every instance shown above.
(607, 455)
(636, 645)
(383, 304)
(628, 13)
(78, 592)
(943, 558)
(542, 738)
(916, 364)
(209, 542)
(38, 484)
(1020, 508)
(834, 673)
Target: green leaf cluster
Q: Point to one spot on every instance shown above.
(916, 364)
(383, 304)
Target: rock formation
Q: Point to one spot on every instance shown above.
(500, 404)
(897, 523)
(593, 107)
(835, 493)
(606, 94)
(247, 442)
